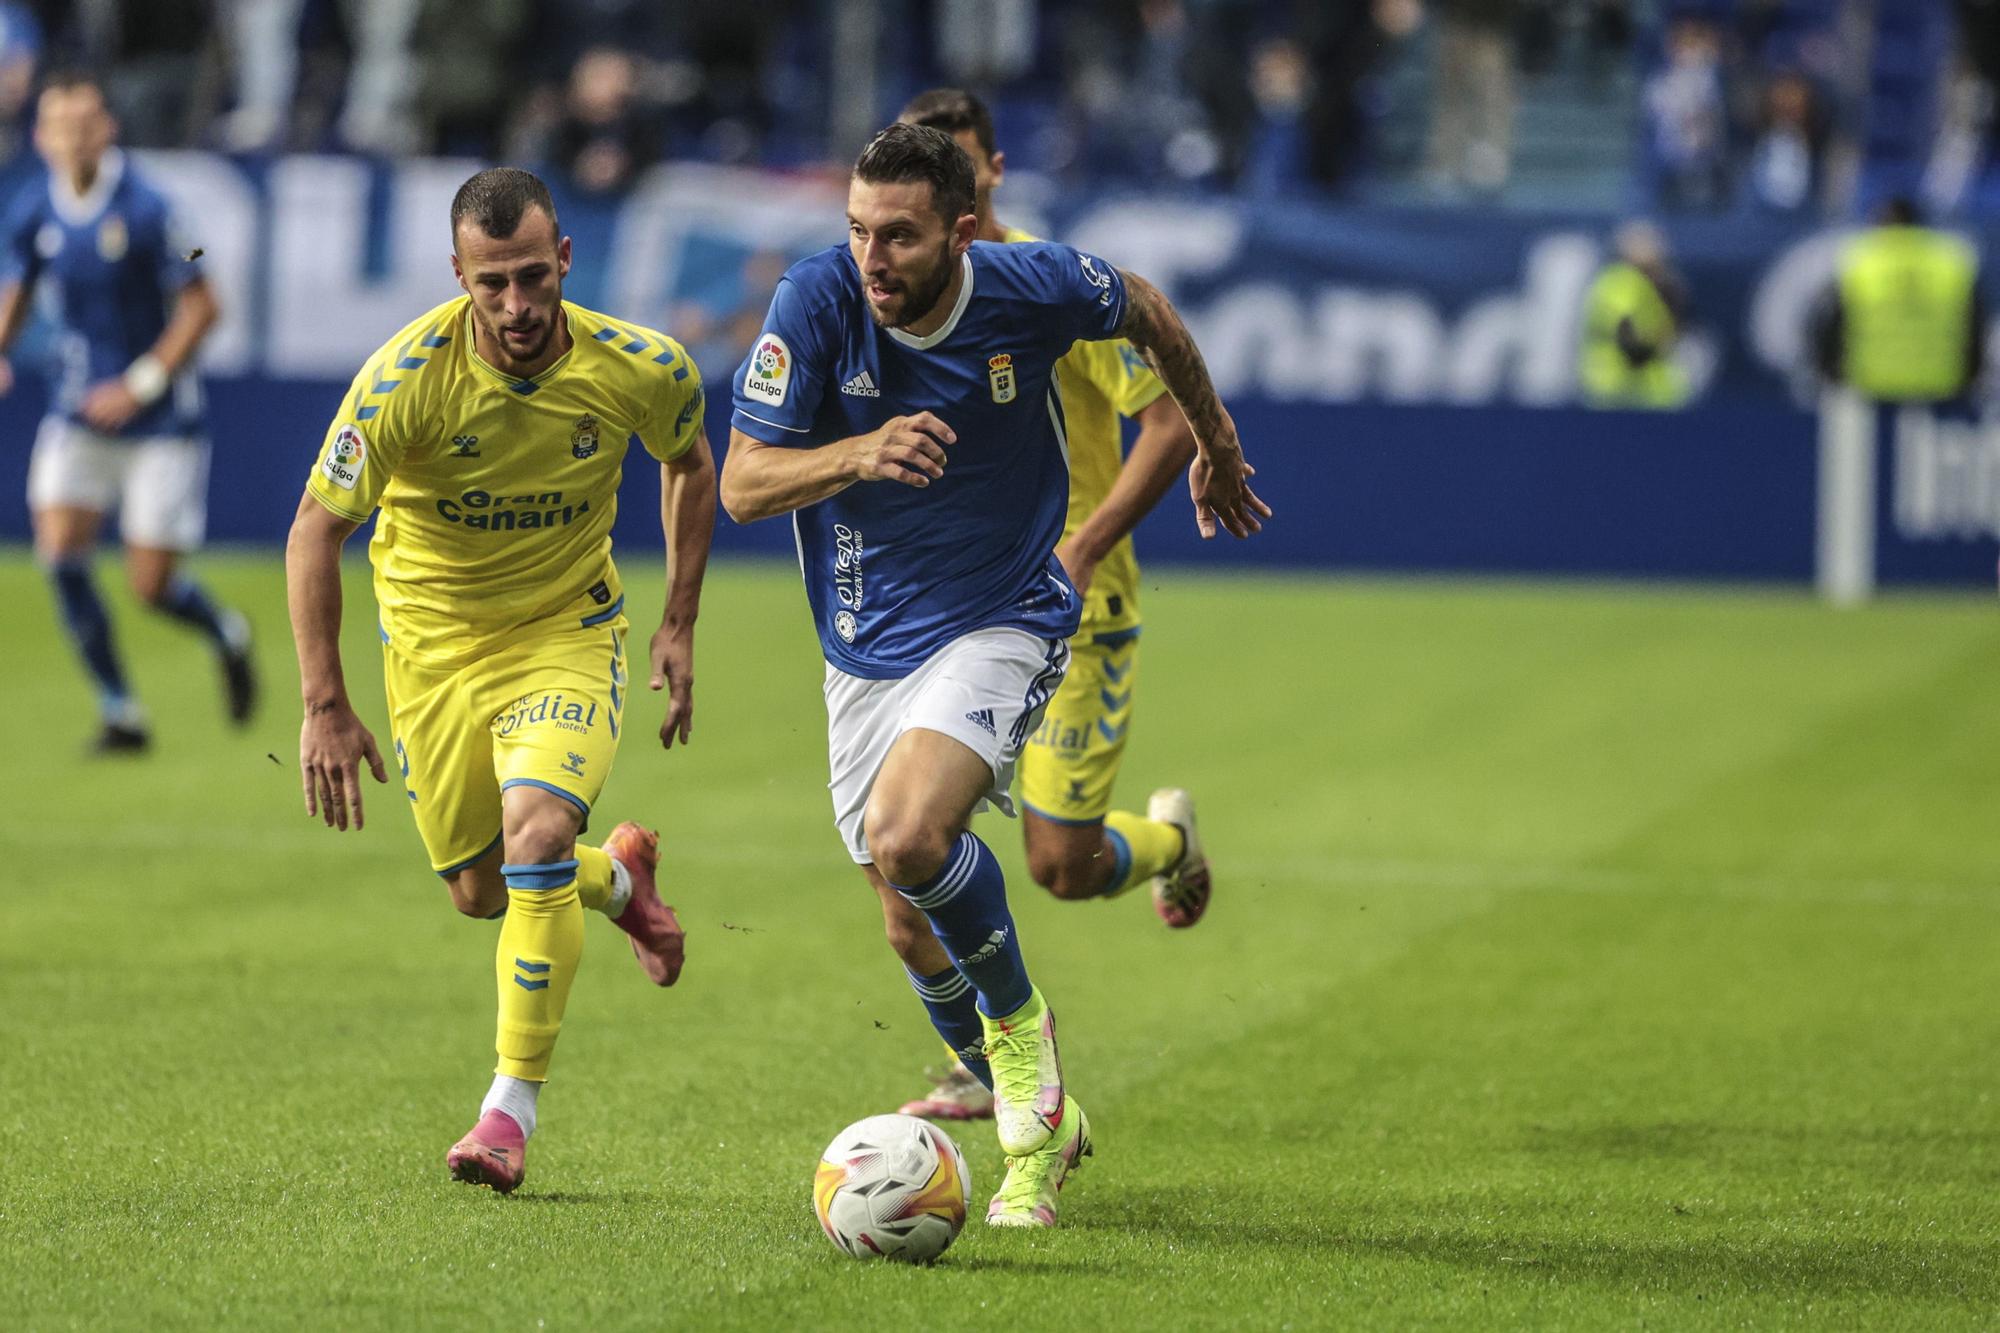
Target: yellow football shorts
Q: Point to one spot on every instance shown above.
(545, 711)
(1069, 765)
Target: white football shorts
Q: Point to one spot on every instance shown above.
(986, 690)
(158, 484)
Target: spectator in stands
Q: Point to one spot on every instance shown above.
(1687, 119)
(605, 137)
(161, 78)
(1472, 122)
(468, 52)
(1785, 159)
(1344, 44)
(1632, 321)
(20, 50)
(1905, 322)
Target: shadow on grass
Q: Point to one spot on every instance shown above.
(1698, 1263)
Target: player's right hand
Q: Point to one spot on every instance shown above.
(6, 377)
(906, 449)
(332, 744)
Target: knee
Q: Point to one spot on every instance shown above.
(905, 851)
(150, 588)
(1064, 874)
(540, 838)
(480, 896)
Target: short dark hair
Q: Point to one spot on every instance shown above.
(902, 154)
(1901, 211)
(952, 110)
(497, 198)
(69, 78)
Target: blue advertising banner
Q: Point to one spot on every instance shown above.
(1405, 381)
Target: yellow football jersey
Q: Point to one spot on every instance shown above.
(497, 494)
(1099, 383)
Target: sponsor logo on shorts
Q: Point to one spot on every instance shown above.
(768, 377)
(535, 709)
(487, 512)
(344, 457)
(983, 719)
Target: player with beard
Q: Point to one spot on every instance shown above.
(491, 433)
(901, 406)
(1078, 846)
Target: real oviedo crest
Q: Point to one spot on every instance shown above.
(1000, 374)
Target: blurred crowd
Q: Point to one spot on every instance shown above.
(1774, 105)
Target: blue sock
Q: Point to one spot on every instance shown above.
(955, 1014)
(90, 628)
(187, 602)
(966, 903)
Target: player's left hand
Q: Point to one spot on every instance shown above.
(673, 671)
(1219, 482)
(1080, 567)
(109, 405)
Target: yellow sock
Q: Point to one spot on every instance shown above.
(593, 877)
(541, 941)
(1144, 847)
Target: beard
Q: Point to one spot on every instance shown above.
(920, 295)
(507, 349)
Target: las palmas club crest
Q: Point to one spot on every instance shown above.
(583, 440)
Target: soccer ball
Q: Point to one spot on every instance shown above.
(891, 1187)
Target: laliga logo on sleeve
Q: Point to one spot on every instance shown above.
(770, 372)
(1000, 373)
(344, 458)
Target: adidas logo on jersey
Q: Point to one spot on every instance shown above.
(982, 718)
(862, 386)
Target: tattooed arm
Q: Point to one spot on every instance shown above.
(1219, 478)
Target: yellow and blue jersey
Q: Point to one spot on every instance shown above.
(497, 494)
(1100, 382)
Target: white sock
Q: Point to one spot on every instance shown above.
(515, 1096)
(621, 889)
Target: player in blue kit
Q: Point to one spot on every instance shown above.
(915, 357)
(99, 246)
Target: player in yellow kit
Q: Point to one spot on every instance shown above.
(1079, 846)
(491, 434)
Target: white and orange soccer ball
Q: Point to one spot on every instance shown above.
(891, 1187)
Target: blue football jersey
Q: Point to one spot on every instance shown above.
(895, 572)
(107, 266)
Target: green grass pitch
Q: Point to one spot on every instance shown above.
(1581, 958)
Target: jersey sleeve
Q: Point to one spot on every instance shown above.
(1118, 372)
(21, 262)
(676, 421)
(172, 255)
(1086, 295)
(365, 442)
(779, 385)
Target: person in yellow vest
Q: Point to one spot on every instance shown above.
(1632, 320)
(1904, 322)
